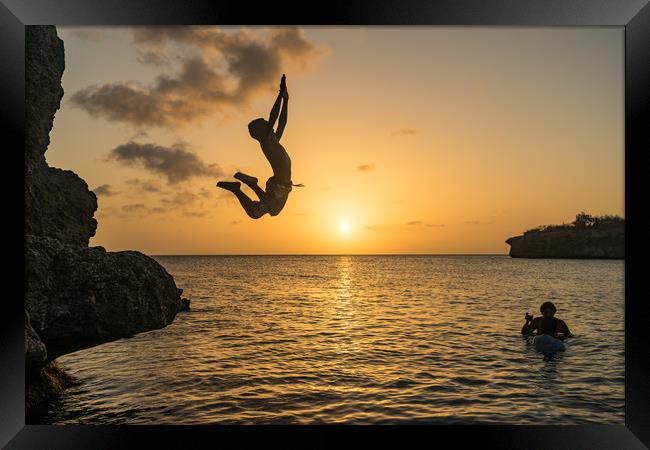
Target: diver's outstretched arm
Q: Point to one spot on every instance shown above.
(283, 115)
(275, 110)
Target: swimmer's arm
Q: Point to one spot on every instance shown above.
(530, 326)
(283, 115)
(564, 329)
(275, 110)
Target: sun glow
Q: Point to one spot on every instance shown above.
(345, 227)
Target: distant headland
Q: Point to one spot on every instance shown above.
(601, 237)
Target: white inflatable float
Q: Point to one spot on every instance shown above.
(548, 344)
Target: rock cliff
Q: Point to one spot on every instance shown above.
(570, 243)
(58, 203)
(75, 296)
(78, 297)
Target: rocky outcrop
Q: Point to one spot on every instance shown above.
(44, 65)
(570, 243)
(43, 382)
(57, 202)
(35, 352)
(78, 297)
(75, 297)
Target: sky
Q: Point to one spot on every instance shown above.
(444, 140)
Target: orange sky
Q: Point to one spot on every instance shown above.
(420, 139)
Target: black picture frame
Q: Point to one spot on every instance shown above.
(633, 15)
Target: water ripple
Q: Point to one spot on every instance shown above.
(339, 339)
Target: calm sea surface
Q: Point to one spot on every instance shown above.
(363, 339)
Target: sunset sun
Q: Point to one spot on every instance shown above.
(345, 227)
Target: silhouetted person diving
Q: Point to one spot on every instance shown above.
(272, 199)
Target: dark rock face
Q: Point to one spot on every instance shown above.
(35, 352)
(577, 243)
(57, 202)
(43, 382)
(75, 297)
(79, 297)
(44, 65)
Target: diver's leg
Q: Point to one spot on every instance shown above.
(252, 208)
(251, 182)
(229, 185)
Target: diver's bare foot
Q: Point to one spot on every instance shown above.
(229, 185)
(247, 179)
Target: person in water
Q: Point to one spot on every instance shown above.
(548, 341)
(547, 323)
(274, 197)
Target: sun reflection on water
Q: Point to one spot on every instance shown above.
(361, 340)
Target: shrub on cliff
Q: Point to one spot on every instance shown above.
(583, 221)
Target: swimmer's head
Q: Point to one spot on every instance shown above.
(548, 309)
(259, 129)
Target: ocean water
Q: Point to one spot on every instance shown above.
(363, 340)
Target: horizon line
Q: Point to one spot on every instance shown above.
(331, 254)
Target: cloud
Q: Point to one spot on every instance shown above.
(135, 208)
(374, 228)
(224, 195)
(196, 214)
(217, 70)
(138, 135)
(365, 168)
(404, 132)
(415, 223)
(477, 222)
(179, 203)
(152, 57)
(93, 35)
(188, 204)
(104, 190)
(206, 193)
(146, 186)
(181, 199)
(175, 162)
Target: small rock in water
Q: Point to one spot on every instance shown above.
(185, 304)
